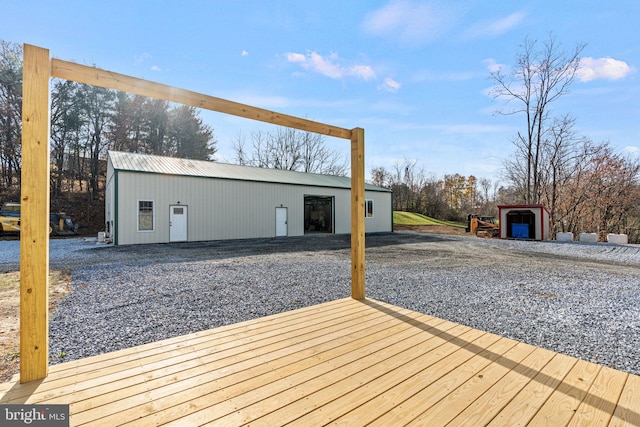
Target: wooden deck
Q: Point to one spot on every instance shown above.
(345, 362)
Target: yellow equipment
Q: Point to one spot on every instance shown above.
(483, 225)
(59, 223)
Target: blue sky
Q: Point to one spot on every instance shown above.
(413, 74)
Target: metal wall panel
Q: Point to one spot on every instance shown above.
(228, 209)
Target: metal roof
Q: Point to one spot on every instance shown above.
(145, 163)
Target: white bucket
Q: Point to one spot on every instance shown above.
(564, 237)
(621, 239)
(588, 237)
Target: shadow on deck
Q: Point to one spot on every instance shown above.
(345, 362)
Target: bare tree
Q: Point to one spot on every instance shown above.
(485, 188)
(318, 158)
(65, 127)
(564, 154)
(238, 147)
(380, 177)
(10, 114)
(95, 110)
(406, 182)
(285, 148)
(290, 149)
(542, 75)
(261, 153)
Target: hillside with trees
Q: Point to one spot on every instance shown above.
(586, 185)
(86, 122)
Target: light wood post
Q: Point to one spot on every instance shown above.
(357, 214)
(34, 216)
(34, 244)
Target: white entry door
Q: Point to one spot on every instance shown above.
(281, 221)
(177, 223)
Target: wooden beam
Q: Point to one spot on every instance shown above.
(34, 216)
(357, 214)
(34, 245)
(107, 79)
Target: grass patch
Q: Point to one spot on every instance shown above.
(411, 218)
(7, 280)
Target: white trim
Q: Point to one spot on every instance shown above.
(153, 216)
(286, 221)
(368, 202)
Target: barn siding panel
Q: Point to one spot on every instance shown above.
(222, 209)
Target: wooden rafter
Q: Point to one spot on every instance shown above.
(108, 79)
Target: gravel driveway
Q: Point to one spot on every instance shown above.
(575, 298)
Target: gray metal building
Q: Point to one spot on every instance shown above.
(154, 199)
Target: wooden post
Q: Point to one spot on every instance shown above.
(357, 214)
(34, 216)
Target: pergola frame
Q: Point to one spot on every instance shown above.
(38, 68)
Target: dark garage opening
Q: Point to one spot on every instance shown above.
(521, 225)
(318, 214)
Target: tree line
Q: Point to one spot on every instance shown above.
(86, 122)
(587, 186)
(450, 198)
(289, 149)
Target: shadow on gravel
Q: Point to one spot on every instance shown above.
(73, 253)
(222, 249)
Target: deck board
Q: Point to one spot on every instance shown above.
(345, 362)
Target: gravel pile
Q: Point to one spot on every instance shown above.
(578, 299)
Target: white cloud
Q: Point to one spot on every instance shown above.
(602, 68)
(497, 27)
(365, 72)
(503, 25)
(492, 65)
(633, 150)
(244, 53)
(390, 85)
(322, 65)
(145, 57)
(410, 22)
(331, 66)
(296, 57)
(141, 58)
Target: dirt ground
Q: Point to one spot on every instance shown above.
(59, 285)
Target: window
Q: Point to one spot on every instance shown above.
(368, 208)
(145, 215)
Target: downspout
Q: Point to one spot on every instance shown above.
(392, 228)
(115, 207)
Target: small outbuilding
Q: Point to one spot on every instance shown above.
(155, 199)
(524, 222)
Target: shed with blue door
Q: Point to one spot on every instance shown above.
(529, 222)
